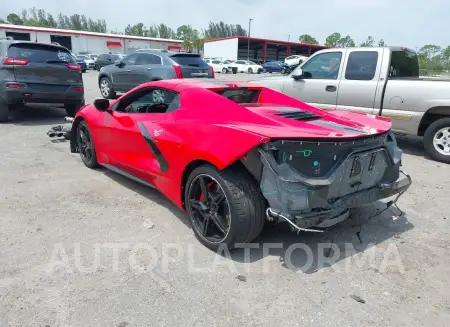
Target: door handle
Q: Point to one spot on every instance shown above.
(149, 68)
(330, 88)
(128, 70)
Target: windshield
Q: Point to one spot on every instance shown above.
(251, 63)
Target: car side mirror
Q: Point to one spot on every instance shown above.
(300, 74)
(101, 104)
(119, 63)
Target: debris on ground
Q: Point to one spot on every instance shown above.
(242, 278)
(358, 298)
(148, 224)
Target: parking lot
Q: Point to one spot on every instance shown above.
(81, 247)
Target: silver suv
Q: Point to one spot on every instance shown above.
(150, 65)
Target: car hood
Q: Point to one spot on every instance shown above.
(287, 122)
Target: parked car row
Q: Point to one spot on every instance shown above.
(150, 65)
(234, 66)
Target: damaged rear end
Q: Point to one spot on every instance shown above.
(314, 183)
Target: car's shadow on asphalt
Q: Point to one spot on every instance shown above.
(38, 115)
(411, 145)
(149, 193)
(308, 252)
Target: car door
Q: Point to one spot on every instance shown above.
(148, 66)
(318, 85)
(359, 83)
(123, 73)
(133, 127)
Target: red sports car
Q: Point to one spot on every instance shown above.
(233, 155)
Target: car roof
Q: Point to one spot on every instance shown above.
(166, 52)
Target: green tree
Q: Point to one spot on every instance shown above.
(381, 43)
(446, 57)
(333, 39)
(165, 32)
(430, 50)
(370, 42)
(14, 19)
(138, 29)
(307, 39)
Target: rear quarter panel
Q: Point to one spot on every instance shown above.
(188, 140)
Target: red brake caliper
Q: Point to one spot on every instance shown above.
(210, 184)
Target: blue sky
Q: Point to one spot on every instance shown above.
(399, 22)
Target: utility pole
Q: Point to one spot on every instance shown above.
(289, 37)
(248, 38)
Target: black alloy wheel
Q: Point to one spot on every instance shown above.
(85, 145)
(225, 207)
(209, 209)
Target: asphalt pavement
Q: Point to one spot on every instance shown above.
(81, 247)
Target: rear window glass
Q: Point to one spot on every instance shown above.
(404, 64)
(39, 53)
(241, 95)
(194, 61)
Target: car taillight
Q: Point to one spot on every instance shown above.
(212, 72)
(15, 61)
(78, 88)
(178, 72)
(15, 86)
(73, 66)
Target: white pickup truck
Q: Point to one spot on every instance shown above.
(382, 81)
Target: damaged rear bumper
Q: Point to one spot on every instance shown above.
(316, 183)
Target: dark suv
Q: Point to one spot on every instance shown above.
(106, 59)
(32, 72)
(150, 65)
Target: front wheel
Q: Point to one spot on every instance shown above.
(224, 70)
(250, 71)
(224, 207)
(85, 145)
(437, 140)
(283, 71)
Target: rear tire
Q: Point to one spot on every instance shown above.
(437, 140)
(245, 217)
(86, 146)
(106, 88)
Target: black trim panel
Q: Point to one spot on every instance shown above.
(127, 175)
(163, 165)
